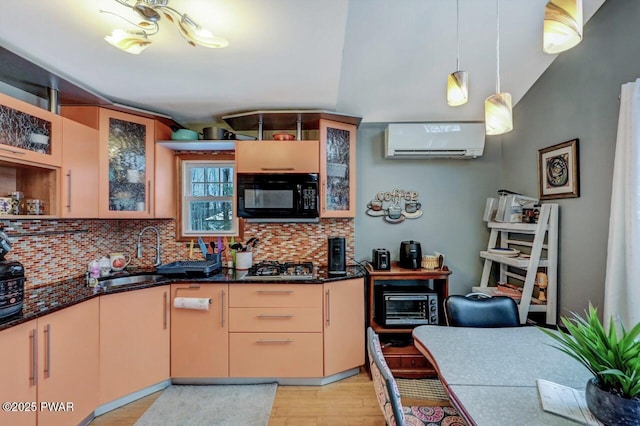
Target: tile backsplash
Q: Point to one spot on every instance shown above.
(53, 250)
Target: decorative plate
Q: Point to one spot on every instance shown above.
(398, 220)
(375, 213)
(413, 215)
(504, 251)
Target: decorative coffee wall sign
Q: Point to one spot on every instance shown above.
(395, 206)
(558, 173)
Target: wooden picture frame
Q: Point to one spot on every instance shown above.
(558, 172)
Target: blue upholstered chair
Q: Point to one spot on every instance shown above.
(389, 398)
(481, 310)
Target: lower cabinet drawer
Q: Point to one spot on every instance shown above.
(393, 361)
(275, 295)
(414, 362)
(300, 320)
(275, 355)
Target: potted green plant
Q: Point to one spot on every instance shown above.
(613, 394)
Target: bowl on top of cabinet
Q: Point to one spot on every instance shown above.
(184, 135)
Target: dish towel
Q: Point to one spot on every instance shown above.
(199, 303)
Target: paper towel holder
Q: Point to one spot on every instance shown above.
(191, 287)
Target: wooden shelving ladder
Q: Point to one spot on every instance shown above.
(545, 238)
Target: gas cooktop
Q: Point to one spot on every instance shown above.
(274, 270)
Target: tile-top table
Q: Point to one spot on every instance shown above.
(491, 373)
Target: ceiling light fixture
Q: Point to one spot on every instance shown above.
(562, 25)
(457, 82)
(151, 11)
(497, 108)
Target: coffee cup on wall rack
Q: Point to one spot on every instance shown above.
(394, 212)
(412, 206)
(375, 205)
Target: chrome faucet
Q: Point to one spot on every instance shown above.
(157, 246)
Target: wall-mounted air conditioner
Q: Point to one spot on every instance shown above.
(434, 140)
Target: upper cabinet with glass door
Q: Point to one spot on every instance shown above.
(126, 165)
(125, 161)
(29, 134)
(338, 169)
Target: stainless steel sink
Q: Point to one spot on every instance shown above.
(132, 279)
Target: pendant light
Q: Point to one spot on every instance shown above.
(562, 25)
(457, 82)
(497, 108)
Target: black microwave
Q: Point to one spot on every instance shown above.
(282, 197)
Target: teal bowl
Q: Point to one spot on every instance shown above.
(184, 135)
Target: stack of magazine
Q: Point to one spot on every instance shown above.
(566, 402)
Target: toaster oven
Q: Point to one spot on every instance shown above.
(410, 309)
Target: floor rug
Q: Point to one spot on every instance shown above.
(222, 405)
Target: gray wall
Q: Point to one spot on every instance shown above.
(452, 193)
(577, 97)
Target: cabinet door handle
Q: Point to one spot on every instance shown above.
(149, 196)
(47, 358)
(275, 291)
(328, 307)
(222, 308)
(34, 354)
(12, 151)
(166, 307)
(275, 169)
(267, 316)
(324, 190)
(69, 191)
(263, 341)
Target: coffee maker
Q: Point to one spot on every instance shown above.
(410, 255)
(337, 261)
(11, 281)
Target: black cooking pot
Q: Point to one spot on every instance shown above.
(410, 255)
(213, 133)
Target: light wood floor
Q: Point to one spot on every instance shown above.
(351, 401)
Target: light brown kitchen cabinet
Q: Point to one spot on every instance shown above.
(79, 183)
(199, 338)
(134, 341)
(337, 169)
(344, 321)
(278, 324)
(165, 175)
(68, 342)
(18, 364)
(29, 134)
(125, 161)
(51, 363)
(277, 156)
(30, 153)
(127, 145)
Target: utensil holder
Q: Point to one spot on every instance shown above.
(244, 259)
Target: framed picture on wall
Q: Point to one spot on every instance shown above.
(558, 173)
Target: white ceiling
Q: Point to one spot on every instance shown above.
(384, 60)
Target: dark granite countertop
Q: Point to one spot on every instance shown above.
(48, 299)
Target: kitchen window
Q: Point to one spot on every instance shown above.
(208, 198)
